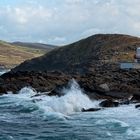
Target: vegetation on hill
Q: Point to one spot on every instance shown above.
(34, 45)
(11, 55)
(86, 53)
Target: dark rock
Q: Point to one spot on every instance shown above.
(56, 81)
(137, 106)
(90, 109)
(125, 102)
(36, 100)
(104, 87)
(109, 103)
(3, 90)
(118, 95)
(40, 81)
(135, 98)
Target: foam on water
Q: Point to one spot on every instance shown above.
(44, 115)
(3, 71)
(73, 100)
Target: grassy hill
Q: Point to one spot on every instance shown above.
(12, 55)
(89, 52)
(34, 45)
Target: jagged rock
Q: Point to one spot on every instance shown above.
(137, 106)
(109, 103)
(90, 109)
(104, 87)
(135, 98)
(36, 100)
(42, 82)
(125, 102)
(55, 81)
(3, 90)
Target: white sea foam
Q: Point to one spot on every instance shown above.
(112, 122)
(73, 100)
(3, 71)
(133, 132)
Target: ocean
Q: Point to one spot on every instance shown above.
(25, 117)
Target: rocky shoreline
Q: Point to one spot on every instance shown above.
(93, 62)
(100, 83)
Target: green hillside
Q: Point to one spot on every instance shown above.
(11, 55)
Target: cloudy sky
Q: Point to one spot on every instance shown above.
(65, 21)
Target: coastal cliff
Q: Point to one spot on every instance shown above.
(93, 62)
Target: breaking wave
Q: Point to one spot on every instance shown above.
(73, 100)
(53, 117)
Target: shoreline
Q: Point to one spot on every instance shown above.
(98, 84)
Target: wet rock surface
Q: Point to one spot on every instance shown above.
(90, 109)
(93, 62)
(98, 84)
(137, 106)
(109, 103)
(40, 81)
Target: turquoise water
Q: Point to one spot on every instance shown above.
(59, 118)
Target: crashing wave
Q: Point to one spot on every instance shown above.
(73, 99)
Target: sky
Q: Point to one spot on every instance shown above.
(61, 22)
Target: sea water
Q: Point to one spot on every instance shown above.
(25, 117)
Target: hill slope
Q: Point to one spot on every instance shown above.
(34, 45)
(11, 55)
(79, 56)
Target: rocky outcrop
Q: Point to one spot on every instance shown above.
(137, 106)
(92, 62)
(40, 81)
(135, 98)
(100, 84)
(90, 109)
(109, 103)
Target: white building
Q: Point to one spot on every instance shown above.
(134, 65)
(137, 56)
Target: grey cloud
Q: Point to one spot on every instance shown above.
(62, 23)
